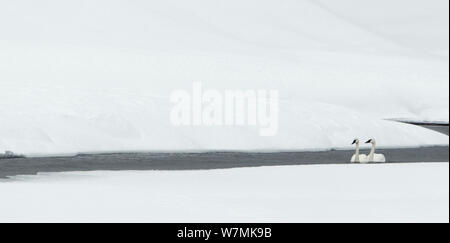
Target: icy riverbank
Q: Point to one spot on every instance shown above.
(416, 192)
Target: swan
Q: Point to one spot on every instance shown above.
(373, 157)
(358, 158)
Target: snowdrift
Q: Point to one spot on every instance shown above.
(92, 76)
(313, 193)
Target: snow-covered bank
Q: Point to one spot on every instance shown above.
(142, 124)
(79, 76)
(329, 193)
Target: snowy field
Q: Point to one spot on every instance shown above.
(92, 76)
(417, 192)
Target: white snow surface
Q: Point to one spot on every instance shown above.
(93, 76)
(416, 192)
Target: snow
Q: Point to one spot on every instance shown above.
(94, 76)
(416, 192)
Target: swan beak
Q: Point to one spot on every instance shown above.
(368, 141)
(354, 141)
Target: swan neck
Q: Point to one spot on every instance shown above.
(372, 151)
(357, 153)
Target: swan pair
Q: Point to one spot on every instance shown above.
(372, 157)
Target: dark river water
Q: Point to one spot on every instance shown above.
(438, 128)
(201, 161)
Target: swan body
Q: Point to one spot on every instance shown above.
(362, 158)
(358, 158)
(373, 157)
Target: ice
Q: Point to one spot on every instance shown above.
(89, 76)
(416, 192)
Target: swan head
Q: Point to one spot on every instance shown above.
(372, 141)
(355, 141)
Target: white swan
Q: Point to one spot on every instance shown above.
(373, 157)
(358, 158)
